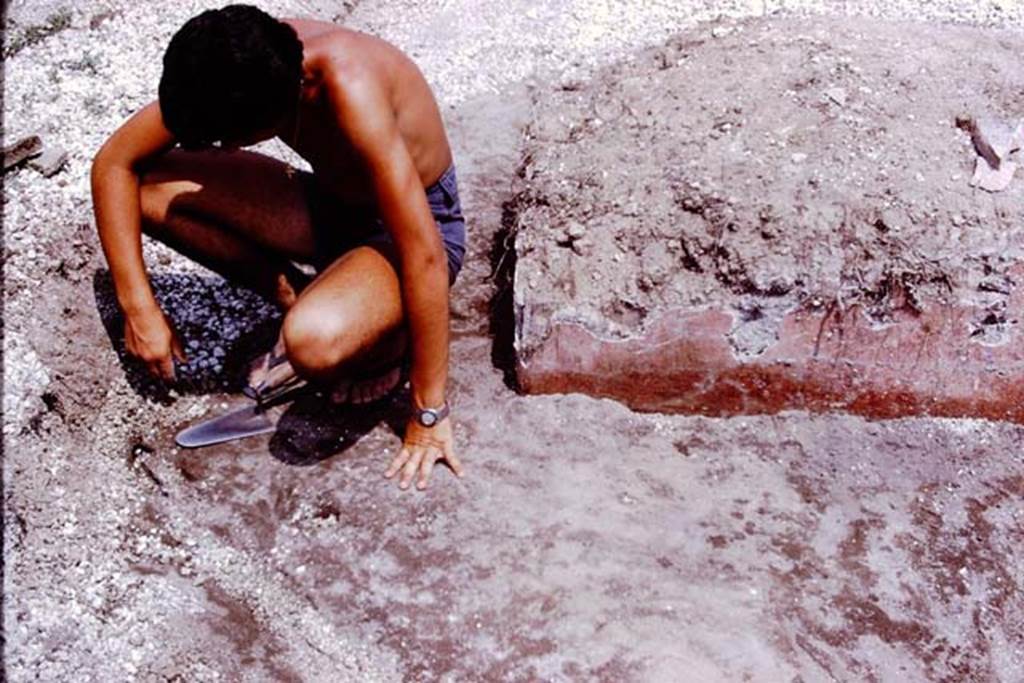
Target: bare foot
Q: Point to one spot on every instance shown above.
(288, 288)
(367, 389)
(272, 368)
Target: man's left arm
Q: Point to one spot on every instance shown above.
(364, 114)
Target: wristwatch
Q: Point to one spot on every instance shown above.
(428, 417)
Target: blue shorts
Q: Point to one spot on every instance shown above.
(362, 226)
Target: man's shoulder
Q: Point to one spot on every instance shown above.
(350, 75)
(309, 29)
(346, 81)
(347, 59)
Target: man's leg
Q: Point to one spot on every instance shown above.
(244, 216)
(238, 213)
(348, 323)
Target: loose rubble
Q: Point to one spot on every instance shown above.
(994, 142)
(768, 237)
(50, 162)
(21, 151)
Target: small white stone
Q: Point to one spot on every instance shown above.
(575, 230)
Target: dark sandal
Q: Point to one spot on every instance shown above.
(264, 391)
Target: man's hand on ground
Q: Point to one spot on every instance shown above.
(150, 337)
(423, 447)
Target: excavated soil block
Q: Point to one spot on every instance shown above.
(777, 214)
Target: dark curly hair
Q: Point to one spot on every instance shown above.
(229, 73)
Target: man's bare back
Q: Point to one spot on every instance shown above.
(363, 116)
(361, 61)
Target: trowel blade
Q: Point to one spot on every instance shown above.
(247, 421)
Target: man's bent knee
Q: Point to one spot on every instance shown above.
(314, 341)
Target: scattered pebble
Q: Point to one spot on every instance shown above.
(22, 150)
(837, 95)
(50, 162)
(992, 180)
(575, 230)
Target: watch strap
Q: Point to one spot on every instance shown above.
(428, 417)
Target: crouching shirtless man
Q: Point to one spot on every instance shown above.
(379, 216)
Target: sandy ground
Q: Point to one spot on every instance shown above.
(779, 163)
(587, 543)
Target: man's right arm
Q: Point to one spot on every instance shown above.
(115, 192)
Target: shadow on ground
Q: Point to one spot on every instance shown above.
(313, 429)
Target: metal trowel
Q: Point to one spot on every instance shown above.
(251, 420)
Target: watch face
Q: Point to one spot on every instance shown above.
(428, 418)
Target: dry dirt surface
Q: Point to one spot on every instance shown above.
(587, 542)
(777, 214)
